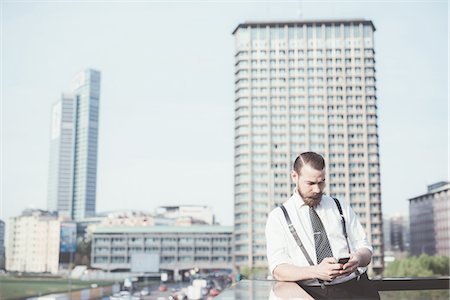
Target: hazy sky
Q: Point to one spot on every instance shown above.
(167, 95)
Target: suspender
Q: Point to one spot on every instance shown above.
(344, 228)
(297, 238)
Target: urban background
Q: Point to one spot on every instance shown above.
(150, 140)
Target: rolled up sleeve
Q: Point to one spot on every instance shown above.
(357, 234)
(276, 242)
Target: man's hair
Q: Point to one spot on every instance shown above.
(312, 159)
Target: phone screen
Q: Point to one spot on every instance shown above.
(343, 260)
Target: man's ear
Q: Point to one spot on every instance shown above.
(294, 176)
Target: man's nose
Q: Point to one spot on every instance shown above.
(316, 188)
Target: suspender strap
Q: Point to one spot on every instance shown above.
(295, 235)
(344, 228)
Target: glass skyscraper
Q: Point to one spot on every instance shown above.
(73, 150)
(304, 86)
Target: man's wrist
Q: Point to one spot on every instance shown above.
(357, 256)
(314, 272)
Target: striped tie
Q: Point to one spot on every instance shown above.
(323, 248)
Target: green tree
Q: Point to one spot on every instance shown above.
(83, 253)
(254, 273)
(419, 266)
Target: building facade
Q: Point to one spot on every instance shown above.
(2, 244)
(396, 237)
(429, 221)
(304, 86)
(33, 242)
(73, 153)
(178, 248)
(60, 180)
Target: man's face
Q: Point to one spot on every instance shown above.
(310, 184)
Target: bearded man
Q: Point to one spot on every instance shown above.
(317, 240)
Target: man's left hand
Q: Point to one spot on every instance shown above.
(351, 266)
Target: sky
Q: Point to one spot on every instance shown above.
(167, 95)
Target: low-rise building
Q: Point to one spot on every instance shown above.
(34, 242)
(176, 248)
(187, 214)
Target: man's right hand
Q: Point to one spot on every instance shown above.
(328, 269)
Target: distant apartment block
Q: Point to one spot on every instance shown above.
(429, 220)
(73, 149)
(175, 248)
(33, 242)
(304, 86)
(396, 233)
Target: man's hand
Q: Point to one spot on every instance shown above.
(351, 266)
(328, 269)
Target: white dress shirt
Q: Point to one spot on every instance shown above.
(281, 245)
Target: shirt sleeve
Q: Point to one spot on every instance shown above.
(356, 233)
(276, 241)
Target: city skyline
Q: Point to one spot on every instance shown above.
(166, 135)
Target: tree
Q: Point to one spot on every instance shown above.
(83, 253)
(2, 262)
(419, 266)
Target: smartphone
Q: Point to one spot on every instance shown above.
(343, 260)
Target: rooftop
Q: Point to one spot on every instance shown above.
(302, 22)
(166, 229)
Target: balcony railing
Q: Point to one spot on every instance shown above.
(389, 288)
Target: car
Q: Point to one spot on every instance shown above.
(145, 291)
(214, 292)
(162, 288)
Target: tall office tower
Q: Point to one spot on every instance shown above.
(60, 181)
(73, 153)
(304, 86)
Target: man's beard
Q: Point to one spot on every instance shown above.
(311, 201)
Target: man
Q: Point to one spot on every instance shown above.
(325, 235)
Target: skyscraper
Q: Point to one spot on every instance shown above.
(73, 150)
(304, 86)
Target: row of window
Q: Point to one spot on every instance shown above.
(243, 71)
(254, 63)
(302, 80)
(242, 101)
(301, 90)
(308, 52)
(305, 31)
(165, 259)
(162, 239)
